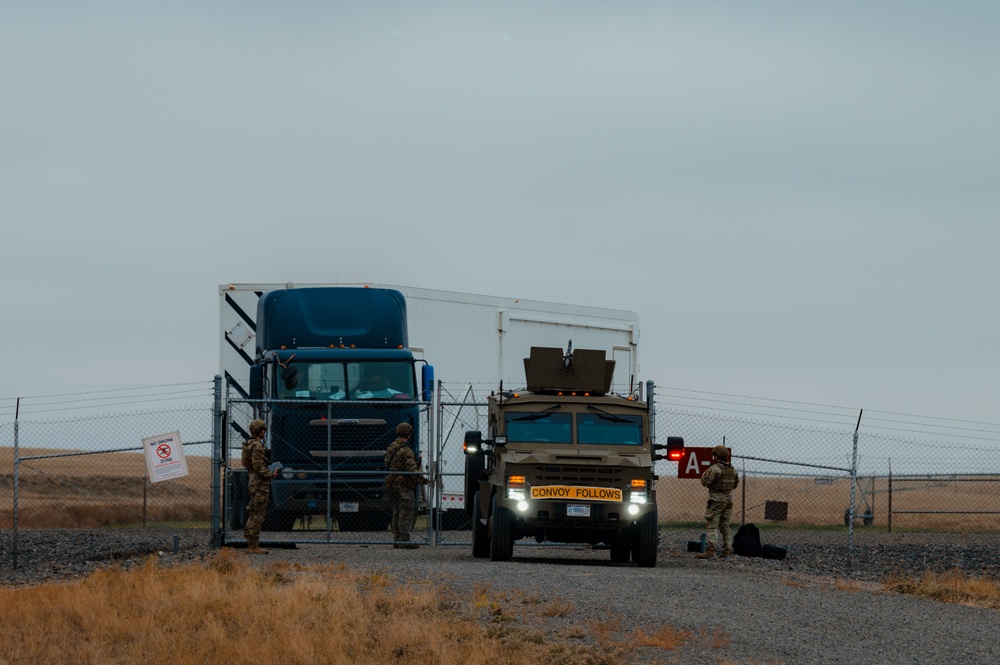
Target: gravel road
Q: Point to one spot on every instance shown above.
(809, 608)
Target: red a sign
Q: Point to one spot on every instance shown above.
(694, 462)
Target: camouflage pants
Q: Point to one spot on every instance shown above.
(255, 510)
(402, 501)
(717, 515)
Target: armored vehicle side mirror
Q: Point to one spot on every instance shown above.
(473, 443)
(674, 448)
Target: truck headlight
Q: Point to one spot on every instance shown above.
(287, 473)
(633, 509)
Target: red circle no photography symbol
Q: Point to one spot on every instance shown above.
(163, 451)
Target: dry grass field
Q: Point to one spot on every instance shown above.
(103, 489)
(820, 504)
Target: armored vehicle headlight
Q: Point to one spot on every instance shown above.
(522, 506)
(633, 509)
(287, 473)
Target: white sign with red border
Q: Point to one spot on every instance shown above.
(165, 457)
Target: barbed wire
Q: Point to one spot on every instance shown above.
(107, 400)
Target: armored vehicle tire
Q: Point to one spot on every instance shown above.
(480, 536)
(620, 551)
(501, 533)
(646, 541)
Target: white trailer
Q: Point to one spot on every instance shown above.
(474, 343)
(468, 338)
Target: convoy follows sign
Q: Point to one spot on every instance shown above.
(164, 457)
(694, 462)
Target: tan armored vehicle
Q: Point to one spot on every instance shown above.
(566, 462)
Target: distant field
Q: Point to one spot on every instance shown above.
(109, 489)
(809, 503)
(100, 489)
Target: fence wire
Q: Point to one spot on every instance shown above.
(80, 464)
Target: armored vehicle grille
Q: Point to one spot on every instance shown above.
(579, 475)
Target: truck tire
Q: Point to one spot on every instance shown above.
(646, 541)
(501, 533)
(375, 520)
(278, 519)
(238, 498)
(480, 536)
(620, 551)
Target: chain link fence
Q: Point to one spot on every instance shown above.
(90, 470)
(797, 461)
(78, 461)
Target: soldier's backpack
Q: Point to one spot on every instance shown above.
(746, 542)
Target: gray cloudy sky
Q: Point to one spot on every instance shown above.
(799, 199)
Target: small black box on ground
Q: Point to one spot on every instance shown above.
(694, 546)
(776, 510)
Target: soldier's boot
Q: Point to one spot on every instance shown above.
(253, 547)
(709, 553)
(406, 544)
(725, 554)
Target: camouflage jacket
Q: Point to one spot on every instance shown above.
(399, 457)
(255, 459)
(720, 479)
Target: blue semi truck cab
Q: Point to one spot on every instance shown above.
(333, 377)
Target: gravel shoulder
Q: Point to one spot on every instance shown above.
(808, 608)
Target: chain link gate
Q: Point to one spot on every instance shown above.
(332, 486)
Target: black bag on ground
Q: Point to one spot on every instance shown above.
(746, 542)
(772, 552)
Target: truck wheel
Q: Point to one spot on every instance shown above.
(646, 541)
(278, 520)
(501, 533)
(620, 551)
(238, 498)
(480, 537)
(376, 520)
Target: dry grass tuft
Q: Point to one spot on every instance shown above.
(666, 637)
(953, 586)
(229, 610)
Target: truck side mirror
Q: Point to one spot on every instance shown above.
(426, 382)
(256, 382)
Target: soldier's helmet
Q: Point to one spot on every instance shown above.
(721, 452)
(257, 426)
(404, 429)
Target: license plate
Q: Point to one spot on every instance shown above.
(573, 510)
(348, 507)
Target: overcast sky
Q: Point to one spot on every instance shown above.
(800, 200)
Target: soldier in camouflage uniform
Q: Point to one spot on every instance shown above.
(256, 459)
(720, 479)
(399, 457)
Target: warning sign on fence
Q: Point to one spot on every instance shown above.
(694, 462)
(164, 457)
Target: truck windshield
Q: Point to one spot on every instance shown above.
(346, 380)
(539, 427)
(609, 429)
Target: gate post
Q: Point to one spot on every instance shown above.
(217, 463)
